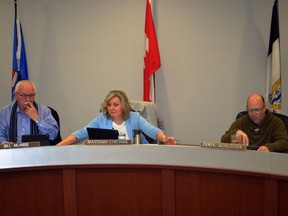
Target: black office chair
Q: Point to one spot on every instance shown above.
(284, 118)
(56, 117)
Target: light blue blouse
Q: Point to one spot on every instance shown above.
(134, 121)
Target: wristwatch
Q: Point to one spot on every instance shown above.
(37, 120)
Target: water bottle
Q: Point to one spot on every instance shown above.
(137, 136)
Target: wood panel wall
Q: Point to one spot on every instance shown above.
(140, 190)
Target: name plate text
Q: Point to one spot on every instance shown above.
(227, 146)
(107, 142)
(19, 145)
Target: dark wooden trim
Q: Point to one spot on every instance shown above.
(271, 197)
(69, 190)
(168, 192)
(149, 166)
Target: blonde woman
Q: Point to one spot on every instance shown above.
(117, 114)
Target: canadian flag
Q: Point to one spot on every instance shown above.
(152, 56)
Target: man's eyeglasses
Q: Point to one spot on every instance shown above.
(25, 96)
(257, 110)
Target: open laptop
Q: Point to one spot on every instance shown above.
(42, 138)
(100, 133)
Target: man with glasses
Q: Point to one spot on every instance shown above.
(259, 128)
(24, 116)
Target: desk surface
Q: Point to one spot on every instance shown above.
(164, 155)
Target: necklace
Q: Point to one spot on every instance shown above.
(121, 129)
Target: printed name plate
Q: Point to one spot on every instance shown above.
(19, 145)
(107, 142)
(227, 146)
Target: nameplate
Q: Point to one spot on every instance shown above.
(19, 145)
(226, 146)
(107, 142)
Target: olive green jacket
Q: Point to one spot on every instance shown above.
(271, 133)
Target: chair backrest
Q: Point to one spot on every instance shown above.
(56, 117)
(151, 112)
(284, 118)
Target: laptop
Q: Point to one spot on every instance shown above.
(100, 133)
(42, 138)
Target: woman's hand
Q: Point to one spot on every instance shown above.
(169, 140)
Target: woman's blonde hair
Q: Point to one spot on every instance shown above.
(126, 107)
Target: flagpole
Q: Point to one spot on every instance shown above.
(154, 82)
(15, 7)
(154, 87)
(14, 70)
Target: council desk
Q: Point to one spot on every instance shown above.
(140, 180)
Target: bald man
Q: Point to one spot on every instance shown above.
(259, 127)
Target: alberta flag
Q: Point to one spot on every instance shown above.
(19, 67)
(273, 86)
(152, 56)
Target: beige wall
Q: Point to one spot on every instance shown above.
(213, 55)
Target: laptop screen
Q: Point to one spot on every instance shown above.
(42, 138)
(100, 133)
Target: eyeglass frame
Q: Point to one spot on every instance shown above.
(257, 110)
(25, 96)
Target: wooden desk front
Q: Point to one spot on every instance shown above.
(142, 180)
